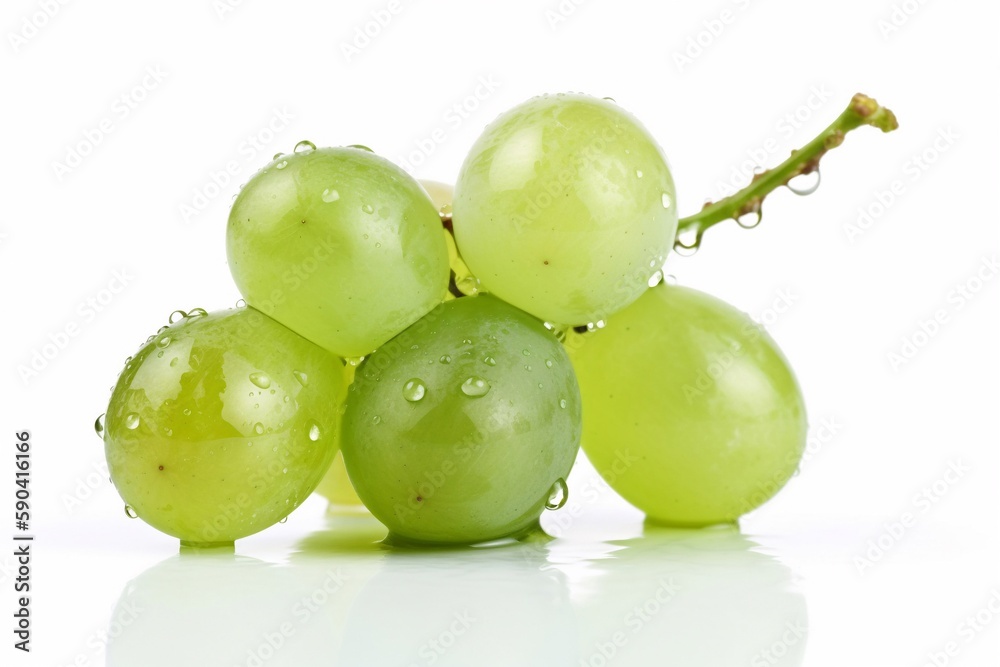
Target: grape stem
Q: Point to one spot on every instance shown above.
(862, 110)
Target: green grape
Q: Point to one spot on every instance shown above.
(692, 413)
(222, 424)
(565, 208)
(463, 427)
(339, 245)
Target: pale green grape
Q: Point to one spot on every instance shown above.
(222, 424)
(463, 427)
(340, 245)
(565, 208)
(691, 412)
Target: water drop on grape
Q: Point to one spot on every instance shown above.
(548, 363)
(301, 378)
(490, 361)
(610, 99)
(330, 195)
(314, 433)
(284, 519)
(376, 419)
(130, 512)
(445, 359)
(177, 316)
(445, 211)
(368, 208)
(414, 390)
(258, 428)
(656, 279)
(281, 165)
(241, 303)
(666, 200)
(197, 312)
(467, 341)
(475, 387)
(805, 184)
(563, 403)
(558, 495)
(276, 156)
(163, 342)
(361, 147)
(468, 285)
(132, 421)
(304, 146)
(99, 426)
(638, 173)
(261, 380)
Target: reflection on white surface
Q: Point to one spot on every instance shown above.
(659, 597)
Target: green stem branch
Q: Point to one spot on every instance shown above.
(862, 110)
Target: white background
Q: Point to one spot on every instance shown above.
(771, 74)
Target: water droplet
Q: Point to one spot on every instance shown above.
(361, 147)
(301, 378)
(354, 361)
(666, 200)
(445, 359)
(688, 241)
(281, 165)
(130, 512)
(670, 279)
(368, 208)
(526, 352)
(558, 495)
(314, 433)
(475, 387)
(638, 173)
(656, 279)
(749, 220)
(276, 156)
(285, 518)
(376, 419)
(187, 412)
(805, 184)
(489, 361)
(177, 316)
(445, 211)
(258, 428)
(304, 146)
(99, 426)
(261, 380)
(330, 195)
(199, 312)
(610, 99)
(131, 421)
(414, 390)
(163, 342)
(527, 367)
(467, 341)
(548, 363)
(563, 403)
(378, 245)
(241, 303)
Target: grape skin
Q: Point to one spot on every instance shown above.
(222, 424)
(692, 413)
(565, 207)
(315, 238)
(497, 424)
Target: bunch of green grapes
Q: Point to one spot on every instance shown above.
(448, 314)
